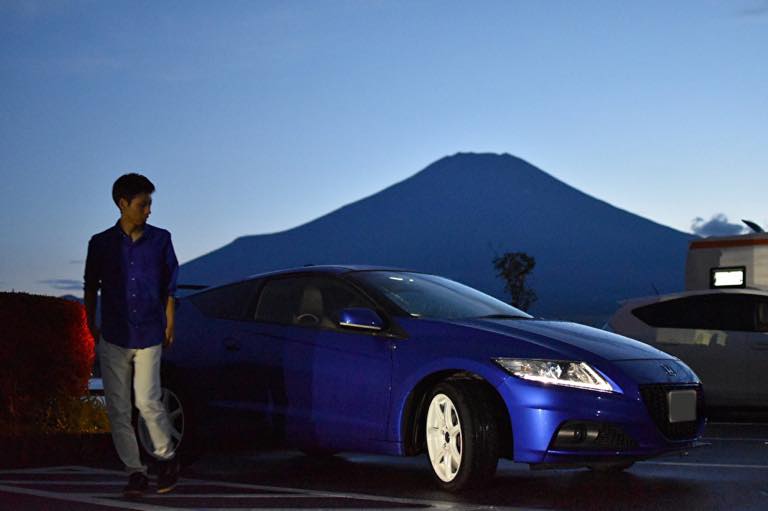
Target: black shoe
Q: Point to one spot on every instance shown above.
(137, 485)
(167, 475)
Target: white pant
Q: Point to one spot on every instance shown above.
(117, 366)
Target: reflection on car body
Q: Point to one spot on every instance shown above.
(343, 358)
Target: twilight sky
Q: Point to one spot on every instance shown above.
(257, 116)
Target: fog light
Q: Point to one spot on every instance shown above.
(590, 435)
(577, 433)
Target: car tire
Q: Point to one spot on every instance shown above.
(461, 435)
(181, 413)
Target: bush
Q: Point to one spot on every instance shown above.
(46, 355)
(76, 415)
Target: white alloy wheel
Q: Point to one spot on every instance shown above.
(444, 438)
(175, 411)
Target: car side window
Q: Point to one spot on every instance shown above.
(338, 296)
(228, 302)
(679, 313)
(279, 300)
(704, 312)
(312, 301)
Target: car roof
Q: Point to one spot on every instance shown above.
(645, 300)
(332, 269)
(327, 268)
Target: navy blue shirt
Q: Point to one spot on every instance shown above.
(136, 278)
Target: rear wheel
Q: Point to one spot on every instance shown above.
(461, 435)
(181, 417)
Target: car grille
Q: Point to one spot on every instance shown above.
(655, 399)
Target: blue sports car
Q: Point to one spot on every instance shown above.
(378, 360)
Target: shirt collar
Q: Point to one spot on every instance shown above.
(148, 229)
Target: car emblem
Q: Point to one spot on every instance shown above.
(668, 370)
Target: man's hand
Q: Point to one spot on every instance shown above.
(90, 313)
(168, 342)
(170, 313)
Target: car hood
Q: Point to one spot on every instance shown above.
(569, 338)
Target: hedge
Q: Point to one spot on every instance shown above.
(46, 355)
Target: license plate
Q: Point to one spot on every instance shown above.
(682, 405)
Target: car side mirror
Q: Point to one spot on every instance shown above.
(361, 319)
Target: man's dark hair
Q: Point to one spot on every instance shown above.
(129, 186)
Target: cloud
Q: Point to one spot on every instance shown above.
(64, 284)
(35, 9)
(758, 8)
(718, 225)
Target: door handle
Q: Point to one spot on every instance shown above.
(761, 346)
(231, 344)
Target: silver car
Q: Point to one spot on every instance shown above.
(721, 334)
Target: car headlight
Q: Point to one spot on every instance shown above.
(556, 372)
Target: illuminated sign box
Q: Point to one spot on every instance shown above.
(728, 277)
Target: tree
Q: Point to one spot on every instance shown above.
(514, 268)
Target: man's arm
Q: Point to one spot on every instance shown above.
(92, 279)
(90, 312)
(172, 267)
(170, 313)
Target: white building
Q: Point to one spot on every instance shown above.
(728, 262)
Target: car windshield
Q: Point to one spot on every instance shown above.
(430, 296)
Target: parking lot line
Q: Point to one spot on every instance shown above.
(89, 492)
(83, 499)
(708, 465)
(737, 424)
(734, 439)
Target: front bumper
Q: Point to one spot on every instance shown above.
(537, 412)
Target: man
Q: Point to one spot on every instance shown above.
(134, 265)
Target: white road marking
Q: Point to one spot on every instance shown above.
(85, 499)
(737, 424)
(708, 465)
(62, 483)
(276, 492)
(735, 439)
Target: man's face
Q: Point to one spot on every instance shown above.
(138, 210)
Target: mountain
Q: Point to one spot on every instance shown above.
(72, 298)
(456, 215)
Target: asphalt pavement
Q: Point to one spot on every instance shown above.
(730, 471)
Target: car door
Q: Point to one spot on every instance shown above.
(714, 355)
(336, 382)
(352, 372)
(756, 354)
(707, 332)
(227, 349)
